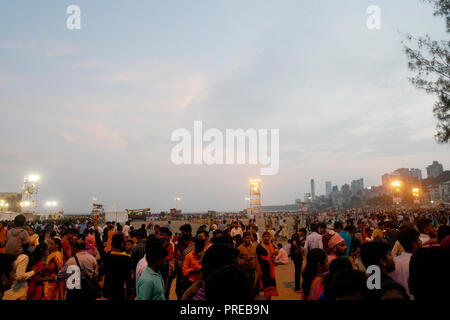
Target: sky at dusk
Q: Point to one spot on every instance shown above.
(92, 110)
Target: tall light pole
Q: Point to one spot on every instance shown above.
(396, 185)
(30, 190)
(176, 202)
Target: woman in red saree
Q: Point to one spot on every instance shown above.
(54, 290)
(266, 258)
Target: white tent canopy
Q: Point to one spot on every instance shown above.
(116, 214)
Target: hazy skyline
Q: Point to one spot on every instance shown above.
(92, 110)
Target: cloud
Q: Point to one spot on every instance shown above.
(87, 65)
(59, 51)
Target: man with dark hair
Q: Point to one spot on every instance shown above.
(151, 284)
(429, 274)
(192, 266)
(409, 240)
(184, 246)
(248, 259)
(378, 253)
(17, 237)
(204, 235)
(298, 242)
(138, 251)
(88, 265)
(168, 271)
(314, 240)
(117, 266)
(186, 229)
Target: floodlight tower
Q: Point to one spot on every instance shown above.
(255, 197)
(30, 191)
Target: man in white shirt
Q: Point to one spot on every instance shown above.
(410, 241)
(282, 256)
(314, 240)
(126, 229)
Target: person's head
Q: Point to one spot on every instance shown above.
(40, 252)
(2, 225)
(337, 245)
(377, 253)
(443, 232)
(165, 234)
(185, 238)
(156, 254)
(129, 245)
(217, 233)
(79, 245)
(117, 242)
(217, 256)
(19, 221)
(391, 290)
(348, 284)
(314, 227)
(6, 267)
(54, 244)
(266, 237)
(247, 238)
(279, 246)
(141, 234)
(316, 264)
(322, 228)
(199, 245)
(428, 273)
(228, 283)
(425, 225)
(186, 229)
(409, 239)
(338, 227)
(119, 227)
(127, 223)
(302, 232)
(203, 235)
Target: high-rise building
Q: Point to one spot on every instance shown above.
(403, 173)
(357, 187)
(335, 189)
(416, 173)
(434, 169)
(313, 190)
(327, 188)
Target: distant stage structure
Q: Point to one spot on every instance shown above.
(255, 198)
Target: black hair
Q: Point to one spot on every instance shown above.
(117, 241)
(119, 227)
(166, 231)
(338, 225)
(314, 227)
(186, 228)
(246, 234)
(279, 246)
(57, 242)
(155, 252)
(314, 257)
(392, 285)
(223, 239)
(349, 283)
(206, 233)
(422, 223)
(442, 232)
(373, 252)
(216, 232)
(322, 225)
(199, 244)
(428, 273)
(407, 237)
(19, 220)
(141, 234)
(80, 245)
(228, 283)
(217, 256)
(335, 265)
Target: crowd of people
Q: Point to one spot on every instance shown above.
(333, 255)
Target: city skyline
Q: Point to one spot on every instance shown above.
(92, 110)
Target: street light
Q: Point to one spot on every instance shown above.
(4, 205)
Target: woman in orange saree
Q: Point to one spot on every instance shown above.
(266, 257)
(54, 290)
